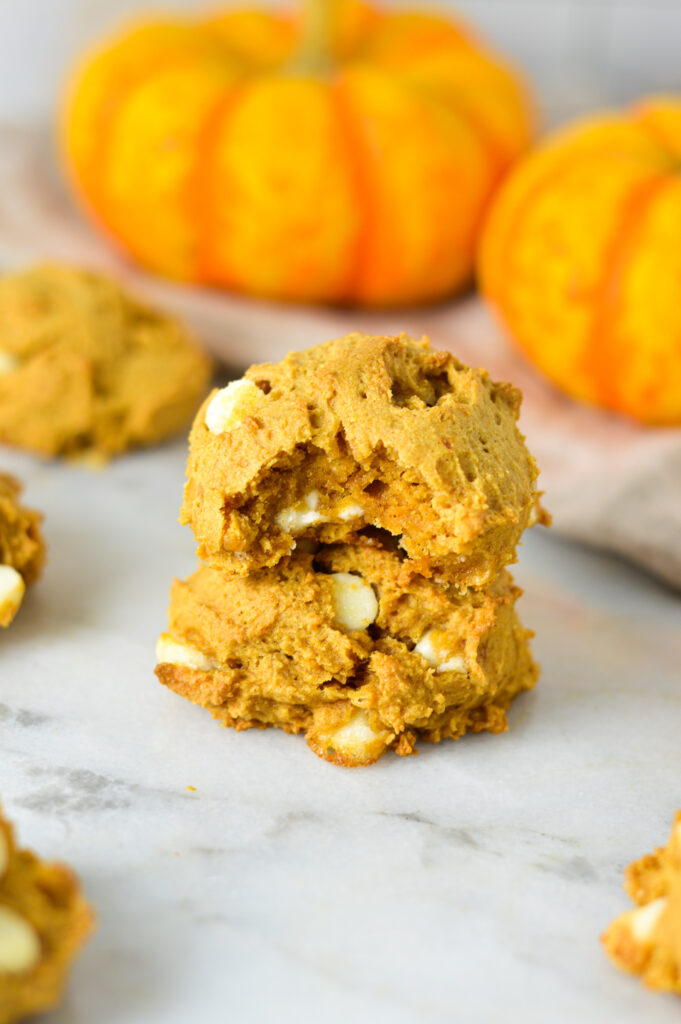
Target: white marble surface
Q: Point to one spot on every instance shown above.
(469, 883)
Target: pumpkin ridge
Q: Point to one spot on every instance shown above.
(498, 162)
(495, 261)
(432, 112)
(499, 263)
(77, 167)
(199, 191)
(550, 177)
(95, 191)
(359, 160)
(482, 134)
(601, 347)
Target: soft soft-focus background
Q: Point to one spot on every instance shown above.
(579, 52)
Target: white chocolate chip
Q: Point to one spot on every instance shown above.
(12, 590)
(170, 652)
(356, 740)
(455, 664)
(354, 602)
(19, 942)
(232, 404)
(350, 512)
(4, 853)
(296, 518)
(642, 920)
(8, 362)
(306, 513)
(433, 647)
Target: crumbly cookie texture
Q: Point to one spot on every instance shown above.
(22, 548)
(349, 645)
(362, 431)
(44, 921)
(647, 940)
(84, 367)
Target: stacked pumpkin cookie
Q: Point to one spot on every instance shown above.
(355, 507)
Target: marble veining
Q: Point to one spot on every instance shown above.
(467, 884)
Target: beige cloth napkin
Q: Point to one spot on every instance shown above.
(608, 482)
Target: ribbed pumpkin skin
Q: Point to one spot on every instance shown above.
(581, 256)
(198, 150)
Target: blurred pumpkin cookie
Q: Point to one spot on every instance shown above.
(348, 644)
(86, 368)
(360, 432)
(647, 940)
(22, 548)
(44, 920)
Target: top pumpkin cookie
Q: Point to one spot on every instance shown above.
(358, 433)
(84, 367)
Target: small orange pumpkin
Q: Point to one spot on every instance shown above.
(347, 156)
(581, 256)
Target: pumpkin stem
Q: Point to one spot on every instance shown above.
(317, 25)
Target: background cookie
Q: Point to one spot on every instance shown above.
(349, 645)
(22, 548)
(85, 367)
(44, 920)
(647, 940)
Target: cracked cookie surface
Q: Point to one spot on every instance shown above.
(44, 920)
(86, 368)
(362, 432)
(647, 940)
(22, 548)
(348, 644)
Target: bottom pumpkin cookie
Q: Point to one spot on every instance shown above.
(349, 645)
(44, 920)
(647, 940)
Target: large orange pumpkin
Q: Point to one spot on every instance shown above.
(344, 157)
(581, 256)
